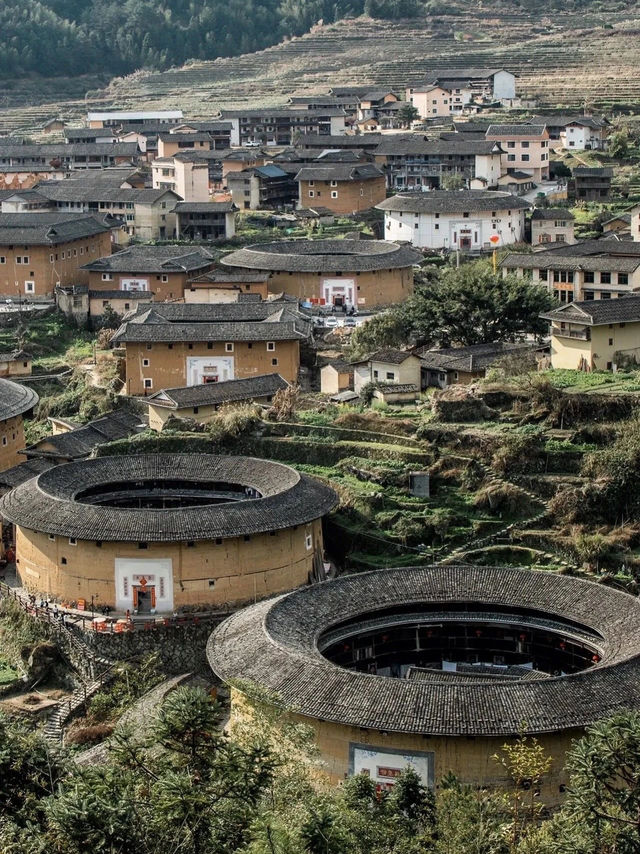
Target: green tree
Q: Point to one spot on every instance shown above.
(387, 329)
(474, 305)
(455, 181)
(619, 144)
(407, 114)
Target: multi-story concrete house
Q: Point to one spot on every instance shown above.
(526, 148)
(552, 225)
(184, 345)
(574, 131)
(463, 86)
(147, 214)
(160, 271)
(367, 142)
(124, 118)
(205, 220)
(596, 335)
(469, 220)
(268, 187)
(39, 251)
(590, 270)
(187, 176)
(73, 155)
(281, 126)
(219, 132)
(343, 188)
(175, 143)
(417, 161)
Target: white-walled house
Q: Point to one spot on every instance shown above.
(585, 133)
(455, 219)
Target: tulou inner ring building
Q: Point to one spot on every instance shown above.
(160, 532)
(437, 667)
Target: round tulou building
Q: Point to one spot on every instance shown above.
(16, 402)
(360, 273)
(438, 667)
(160, 532)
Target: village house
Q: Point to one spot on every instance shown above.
(71, 441)
(201, 402)
(597, 335)
(324, 142)
(172, 346)
(219, 132)
(185, 175)
(343, 273)
(416, 161)
(146, 214)
(390, 367)
(462, 87)
(67, 156)
(41, 250)
(336, 376)
(515, 182)
(175, 143)
(577, 132)
(371, 101)
(17, 363)
(341, 187)
(268, 187)
(16, 403)
(526, 148)
(590, 183)
(85, 134)
(281, 126)
(552, 225)
(225, 285)
(589, 270)
(463, 365)
(124, 118)
(205, 220)
(455, 219)
(617, 224)
(160, 271)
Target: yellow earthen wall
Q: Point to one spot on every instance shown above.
(243, 570)
(11, 442)
(377, 287)
(167, 367)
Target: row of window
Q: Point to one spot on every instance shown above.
(524, 157)
(334, 194)
(308, 541)
(589, 277)
(228, 347)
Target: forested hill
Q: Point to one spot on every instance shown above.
(66, 38)
(72, 37)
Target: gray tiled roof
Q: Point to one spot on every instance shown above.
(262, 113)
(390, 355)
(566, 261)
(515, 130)
(15, 356)
(153, 259)
(275, 646)
(71, 149)
(10, 478)
(315, 140)
(599, 312)
(173, 332)
(339, 172)
(15, 399)
(315, 256)
(552, 213)
(417, 144)
(67, 191)
(592, 172)
(220, 312)
(214, 394)
(205, 207)
(48, 229)
(79, 443)
(231, 275)
(48, 503)
(453, 201)
(476, 357)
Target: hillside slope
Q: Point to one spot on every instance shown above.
(566, 60)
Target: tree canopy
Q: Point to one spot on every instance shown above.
(72, 37)
(460, 306)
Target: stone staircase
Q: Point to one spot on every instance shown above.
(54, 726)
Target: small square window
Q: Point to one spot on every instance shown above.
(148, 383)
(52, 537)
(218, 541)
(212, 582)
(63, 561)
(274, 362)
(308, 541)
(149, 346)
(29, 287)
(228, 347)
(143, 545)
(334, 194)
(246, 538)
(165, 278)
(271, 346)
(73, 541)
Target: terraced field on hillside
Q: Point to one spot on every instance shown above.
(567, 60)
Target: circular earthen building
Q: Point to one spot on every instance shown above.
(16, 401)
(159, 532)
(437, 667)
(359, 273)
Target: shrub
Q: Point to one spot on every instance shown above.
(503, 497)
(92, 734)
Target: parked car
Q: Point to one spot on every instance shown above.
(350, 321)
(331, 322)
